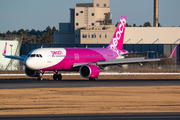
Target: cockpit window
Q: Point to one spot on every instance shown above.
(35, 55)
(32, 55)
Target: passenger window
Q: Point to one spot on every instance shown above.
(37, 55)
(40, 55)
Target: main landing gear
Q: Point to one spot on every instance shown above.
(57, 76)
(93, 79)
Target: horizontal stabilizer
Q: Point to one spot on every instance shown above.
(15, 57)
(11, 56)
(138, 53)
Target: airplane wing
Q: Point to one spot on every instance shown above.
(123, 61)
(118, 61)
(22, 57)
(126, 61)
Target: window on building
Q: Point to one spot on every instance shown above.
(104, 5)
(92, 14)
(97, 5)
(81, 11)
(77, 24)
(105, 36)
(92, 24)
(99, 36)
(77, 14)
(76, 36)
(88, 36)
(93, 35)
(84, 36)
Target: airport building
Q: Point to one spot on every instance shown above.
(85, 16)
(91, 23)
(13, 48)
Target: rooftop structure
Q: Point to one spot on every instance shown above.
(84, 16)
(91, 23)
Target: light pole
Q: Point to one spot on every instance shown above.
(11, 54)
(22, 36)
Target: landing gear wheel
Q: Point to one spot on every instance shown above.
(55, 76)
(59, 77)
(40, 76)
(39, 79)
(93, 79)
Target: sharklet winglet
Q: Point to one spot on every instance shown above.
(172, 54)
(4, 53)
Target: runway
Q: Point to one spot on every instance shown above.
(27, 83)
(140, 116)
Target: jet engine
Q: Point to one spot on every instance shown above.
(31, 73)
(89, 71)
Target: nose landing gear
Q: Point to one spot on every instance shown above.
(40, 76)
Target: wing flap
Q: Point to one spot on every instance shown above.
(79, 64)
(127, 61)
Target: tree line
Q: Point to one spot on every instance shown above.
(146, 24)
(46, 36)
(33, 36)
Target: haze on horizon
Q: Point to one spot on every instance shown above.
(38, 14)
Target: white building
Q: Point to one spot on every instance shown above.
(13, 48)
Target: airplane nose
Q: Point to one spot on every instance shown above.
(30, 64)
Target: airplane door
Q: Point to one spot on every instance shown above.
(76, 56)
(48, 56)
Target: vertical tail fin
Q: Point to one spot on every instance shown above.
(117, 40)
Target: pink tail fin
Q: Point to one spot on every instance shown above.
(5, 48)
(117, 40)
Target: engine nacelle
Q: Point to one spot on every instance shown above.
(89, 71)
(31, 73)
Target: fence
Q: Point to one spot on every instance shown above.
(112, 70)
(146, 69)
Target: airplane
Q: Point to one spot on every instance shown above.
(88, 61)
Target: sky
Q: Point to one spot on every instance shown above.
(38, 14)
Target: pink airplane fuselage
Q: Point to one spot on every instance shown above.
(64, 58)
